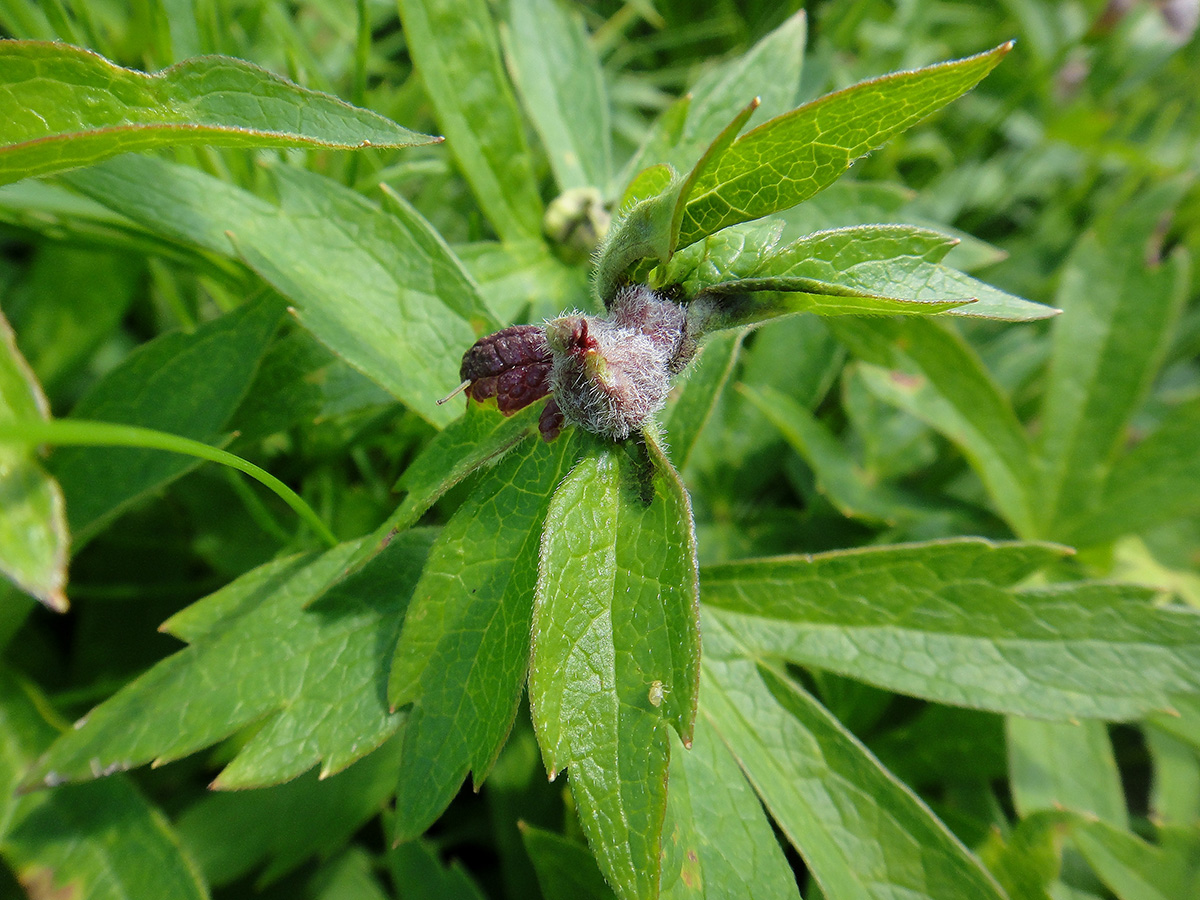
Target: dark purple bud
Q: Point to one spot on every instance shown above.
(512, 365)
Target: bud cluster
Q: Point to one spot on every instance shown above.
(606, 374)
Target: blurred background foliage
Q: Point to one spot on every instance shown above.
(1094, 109)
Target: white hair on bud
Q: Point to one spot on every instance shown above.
(610, 375)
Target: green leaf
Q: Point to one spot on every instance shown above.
(1175, 791)
(418, 874)
(1155, 483)
(793, 156)
(101, 840)
(1029, 858)
(847, 486)
(732, 254)
(562, 83)
(566, 870)
(382, 291)
(718, 842)
(464, 650)
(67, 107)
(869, 269)
(1065, 765)
(25, 730)
(230, 833)
(692, 408)
(638, 232)
(351, 876)
(616, 652)
(769, 70)
(314, 674)
(456, 51)
(1182, 721)
(650, 228)
(478, 438)
(33, 527)
(847, 203)
(185, 384)
(1108, 348)
(944, 620)
(862, 833)
(1132, 868)
(936, 376)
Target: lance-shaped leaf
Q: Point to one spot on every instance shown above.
(457, 53)
(1107, 351)
(464, 650)
(565, 869)
(944, 621)
(100, 840)
(839, 477)
(650, 228)
(698, 395)
(847, 203)
(788, 159)
(935, 375)
(382, 291)
(562, 82)
(385, 291)
(616, 651)
(1133, 868)
(1064, 765)
(478, 438)
(717, 841)
(849, 270)
(66, 106)
(417, 867)
(769, 70)
(862, 832)
(33, 524)
(316, 677)
(185, 384)
(1156, 482)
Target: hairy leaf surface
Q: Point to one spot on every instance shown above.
(788, 159)
(464, 651)
(616, 652)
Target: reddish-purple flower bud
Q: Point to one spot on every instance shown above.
(512, 365)
(606, 374)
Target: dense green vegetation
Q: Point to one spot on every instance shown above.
(896, 597)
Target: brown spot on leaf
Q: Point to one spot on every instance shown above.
(39, 885)
(689, 873)
(906, 381)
